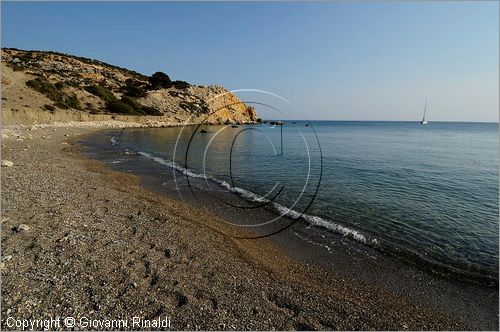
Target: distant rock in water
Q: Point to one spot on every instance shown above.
(47, 87)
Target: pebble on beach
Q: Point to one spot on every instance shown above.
(7, 163)
(22, 227)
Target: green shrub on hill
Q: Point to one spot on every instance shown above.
(134, 88)
(134, 104)
(49, 108)
(62, 100)
(159, 80)
(129, 106)
(101, 92)
(151, 111)
(69, 101)
(181, 84)
(141, 109)
(60, 85)
(42, 85)
(134, 91)
(119, 107)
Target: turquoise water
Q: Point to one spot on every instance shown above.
(429, 192)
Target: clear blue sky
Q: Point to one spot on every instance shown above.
(361, 61)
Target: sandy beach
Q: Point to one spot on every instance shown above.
(81, 240)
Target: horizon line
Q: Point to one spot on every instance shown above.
(417, 121)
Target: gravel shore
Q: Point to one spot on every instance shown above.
(81, 240)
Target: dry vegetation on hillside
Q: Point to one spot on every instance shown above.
(48, 86)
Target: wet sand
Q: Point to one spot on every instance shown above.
(108, 244)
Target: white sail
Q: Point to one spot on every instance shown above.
(425, 111)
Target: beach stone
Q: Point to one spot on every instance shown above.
(6, 258)
(22, 227)
(7, 163)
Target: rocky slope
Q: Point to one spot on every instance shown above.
(46, 87)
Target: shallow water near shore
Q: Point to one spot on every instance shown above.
(423, 193)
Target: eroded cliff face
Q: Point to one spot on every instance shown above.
(45, 87)
(211, 105)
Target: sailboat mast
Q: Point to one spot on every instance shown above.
(425, 109)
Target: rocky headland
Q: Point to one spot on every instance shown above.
(40, 87)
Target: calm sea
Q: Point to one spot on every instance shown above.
(425, 192)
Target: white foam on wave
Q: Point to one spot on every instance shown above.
(328, 224)
(114, 140)
(171, 164)
(242, 192)
(282, 210)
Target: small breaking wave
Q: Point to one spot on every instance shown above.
(171, 164)
(280, 209)
(114, 140)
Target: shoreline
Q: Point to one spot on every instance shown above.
(99, 124)
(104, 150)
(193, 282)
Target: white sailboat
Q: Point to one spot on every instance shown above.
(424, 122)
